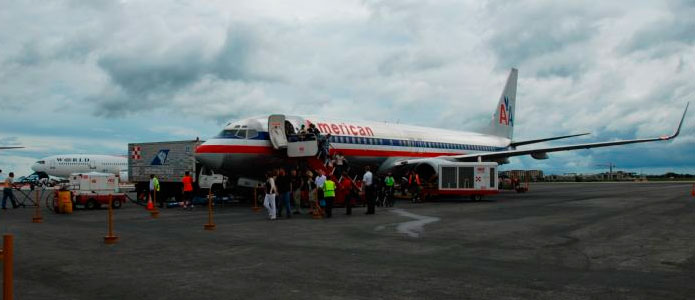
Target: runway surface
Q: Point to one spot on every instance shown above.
(558, 241)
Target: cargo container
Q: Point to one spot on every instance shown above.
(474, 179)
(169, 161)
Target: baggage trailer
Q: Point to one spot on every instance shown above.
(474, 179)
(169, 161)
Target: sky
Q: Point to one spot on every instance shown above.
(92, 76)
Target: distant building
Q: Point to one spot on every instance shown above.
(531, 175)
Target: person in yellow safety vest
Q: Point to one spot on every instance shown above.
(414, 184)
(389, 182)
(154, 188)
(329, 194)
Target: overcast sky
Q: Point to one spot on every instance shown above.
(92, 76)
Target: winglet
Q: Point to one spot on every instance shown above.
(678, 131)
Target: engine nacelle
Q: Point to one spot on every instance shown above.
(541, 155)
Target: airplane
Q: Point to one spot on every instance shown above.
(250, 146)
(66, 164)
(15, 147)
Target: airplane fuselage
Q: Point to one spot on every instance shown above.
(64, 165)
(244, 148)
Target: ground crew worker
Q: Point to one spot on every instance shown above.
(389, 182)
(8, 184)
(414, 184)
(187, 191)
(154, 188)
(368, 186)
(329, 194)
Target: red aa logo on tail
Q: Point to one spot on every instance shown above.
(506, 117)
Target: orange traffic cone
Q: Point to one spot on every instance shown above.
(150, 205)
(692, 192)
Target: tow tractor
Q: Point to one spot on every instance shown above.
(90, 190)
(473, 179)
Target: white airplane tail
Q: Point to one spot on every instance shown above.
(502, 123)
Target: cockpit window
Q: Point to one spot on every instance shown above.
(233, 133)
(41, 162)
(251, 133)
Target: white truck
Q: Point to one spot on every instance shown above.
(169, 161)
(92, 190)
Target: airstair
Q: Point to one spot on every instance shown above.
(283, 137)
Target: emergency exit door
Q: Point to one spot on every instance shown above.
(276, 130)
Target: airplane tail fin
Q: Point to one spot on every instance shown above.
(502, 123)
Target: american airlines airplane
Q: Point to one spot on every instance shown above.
(249, 147)
(64, 165)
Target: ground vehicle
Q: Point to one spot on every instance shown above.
(38, 178)
(92, 190)
(466, 179)
(169, 161)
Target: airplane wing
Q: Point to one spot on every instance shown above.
(491, 156)
(521, 143)
(1, 148)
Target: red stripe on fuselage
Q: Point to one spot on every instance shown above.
(232, 149)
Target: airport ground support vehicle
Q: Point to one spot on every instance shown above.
(169, 162)
(89, 190)
(475, 180)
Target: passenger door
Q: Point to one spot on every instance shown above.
(276, 130)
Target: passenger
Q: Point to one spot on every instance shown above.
(154, 188)
(389, 184)
(270, 194)
(414, 184)
(309, 190)
(302, 133)
(347, 188)
(8, 184)
(320, 180)
(368, 187)
(339, 163)
(329, 188)
(284, 186)
(314, 132)
(187, 191)
(323, 145)
(297, 184)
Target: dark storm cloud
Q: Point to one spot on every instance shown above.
(144, 80)
(547, 31)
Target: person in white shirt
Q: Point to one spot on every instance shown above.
(270, 194)
(320, 180)
(8, 184)
(339, 163)
(368, 184)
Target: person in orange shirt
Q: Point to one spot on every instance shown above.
(187, 191)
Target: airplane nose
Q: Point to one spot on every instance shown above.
(35, 167)
(211, 160)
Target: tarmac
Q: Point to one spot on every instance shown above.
(558, 241)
